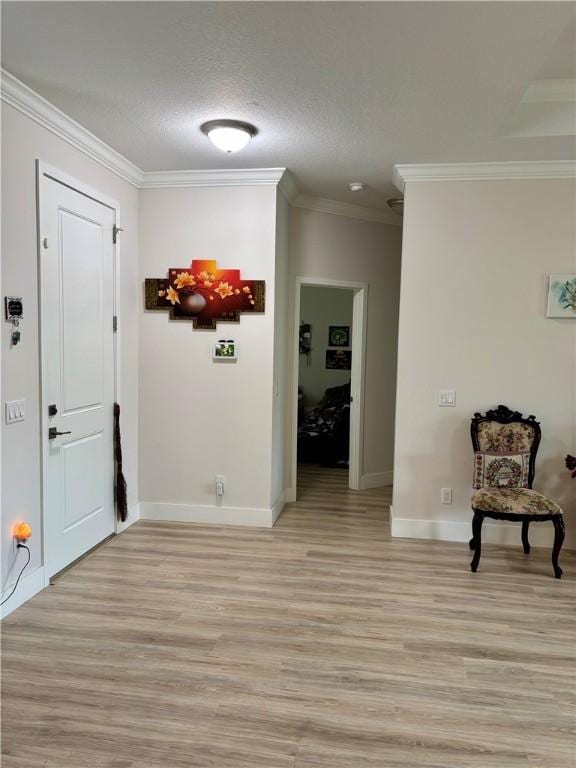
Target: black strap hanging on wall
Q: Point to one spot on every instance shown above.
(121, 497)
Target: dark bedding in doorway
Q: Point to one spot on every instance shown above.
(324, 431)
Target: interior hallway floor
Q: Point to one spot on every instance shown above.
(322, 643)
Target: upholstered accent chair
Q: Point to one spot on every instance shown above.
(507, 432)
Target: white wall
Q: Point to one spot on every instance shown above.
(23, 141)
(472, 318)
(280, 377)
(324, 245)
(321, 307)
(199, 418)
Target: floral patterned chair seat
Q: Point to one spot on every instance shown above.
(514, 501)
(507, 432)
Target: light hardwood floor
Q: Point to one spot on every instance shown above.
(322, 643)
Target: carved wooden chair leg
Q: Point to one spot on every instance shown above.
(477, 539)
(525, 542)
(559, 531)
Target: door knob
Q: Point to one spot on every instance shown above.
(53, 433)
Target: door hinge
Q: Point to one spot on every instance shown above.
(115, 323)
(115, 231)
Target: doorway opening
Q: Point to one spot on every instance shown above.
(328, 379)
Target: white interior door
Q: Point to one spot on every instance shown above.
(77, 308)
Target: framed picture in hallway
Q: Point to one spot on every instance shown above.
(225, 349)
(338, 336)
(339, 359)
(562, 296)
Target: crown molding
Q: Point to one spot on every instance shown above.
(288, 186)
(224, 177)
(323, 205)
(538, 169)
(34, 106)
(25, 100)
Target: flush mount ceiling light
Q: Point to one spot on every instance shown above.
(229, 135)
(356, 186)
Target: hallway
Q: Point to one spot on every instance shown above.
(321, 643)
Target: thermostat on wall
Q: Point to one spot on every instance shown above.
(14, 307)
(225, 350)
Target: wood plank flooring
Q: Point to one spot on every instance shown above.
(322, 643)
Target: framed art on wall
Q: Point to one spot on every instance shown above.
(339, 359)
(204, 294)
(562, 296)
(225, 349)
(338, 335)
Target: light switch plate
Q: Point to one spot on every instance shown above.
(447, 398)
(15, 411)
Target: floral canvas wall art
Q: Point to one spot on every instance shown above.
(562, 296)
(204, 294)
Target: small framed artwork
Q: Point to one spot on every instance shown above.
(225, 350)
(339, 359)
(562, 296)
(338, 335)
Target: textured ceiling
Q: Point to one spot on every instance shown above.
(339, 91)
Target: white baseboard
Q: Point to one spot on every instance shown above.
(29, 586)
(189, 513)
(290, 495)
(376, 480)
(278, 507)
(133, 516)
(497, 532)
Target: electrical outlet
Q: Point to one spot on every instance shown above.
(446, 495)
(219, 482)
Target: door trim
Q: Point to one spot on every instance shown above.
(44, 172)
(357, 377)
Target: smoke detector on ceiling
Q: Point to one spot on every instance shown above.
(356, 186)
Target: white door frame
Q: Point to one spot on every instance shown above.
(357, 375)
(44, 172)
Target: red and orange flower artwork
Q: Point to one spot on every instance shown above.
(205, 294)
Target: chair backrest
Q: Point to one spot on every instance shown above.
(506, 431)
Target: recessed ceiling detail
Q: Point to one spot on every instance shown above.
(548, 108)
